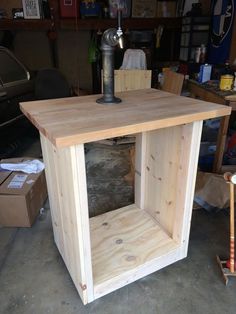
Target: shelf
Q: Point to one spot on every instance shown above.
(122, 241)
(89, 24)
(34, 25)
(133, 23)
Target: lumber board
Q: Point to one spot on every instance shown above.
(70, 121)
(53, 191)
(173, 82)
(126, 80)
(140, 164)
(185, 183)
(127, 244)
(162, 162)
(66, 181)
(166, 174)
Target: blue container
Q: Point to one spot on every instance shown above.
(205, 163)
(90, 9)
(205, 73)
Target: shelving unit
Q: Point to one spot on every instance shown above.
(132, 23)
(88, 24)
(25, 25)
(195, 31)
(57, 23)
(109, 251)
(85, 23)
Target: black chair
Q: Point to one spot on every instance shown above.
(50, 84)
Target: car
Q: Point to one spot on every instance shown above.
(16, 85)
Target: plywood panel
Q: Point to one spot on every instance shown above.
(66, 179)
(75, 120)
(124, 242)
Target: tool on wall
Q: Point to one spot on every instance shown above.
(228, 267)
(110, 38)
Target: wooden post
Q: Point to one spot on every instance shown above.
(231, 187)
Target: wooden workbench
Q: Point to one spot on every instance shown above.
(106, 252)
(210, 93)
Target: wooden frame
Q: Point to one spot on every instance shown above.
(106, 252)
(134, 241)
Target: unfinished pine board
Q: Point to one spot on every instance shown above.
(163, 150)
(76, 120)
(127, 244)
(126, 80)
(66, 181)
(109, 251)
(166, 154)
(185, 183)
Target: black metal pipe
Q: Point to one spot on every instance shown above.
(110, 39)
(108, 73)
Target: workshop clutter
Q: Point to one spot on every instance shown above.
(230, 154)
(208, 144)
(74, 8)
(108, 8)
(96, 9)
(211, 192)
(219, 76)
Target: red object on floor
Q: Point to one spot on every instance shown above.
(228, 264)
(232, 141)
(69, 8)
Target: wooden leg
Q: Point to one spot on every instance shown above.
(224, 123)
(66, 181)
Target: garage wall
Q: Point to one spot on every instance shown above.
(73, 57)
(33, 49)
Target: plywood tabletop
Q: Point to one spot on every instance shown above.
(75, 120)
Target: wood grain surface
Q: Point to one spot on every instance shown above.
(122, 242)
(75, 120)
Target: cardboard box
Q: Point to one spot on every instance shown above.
(21, 196)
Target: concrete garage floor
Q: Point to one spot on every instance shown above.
(34, 279)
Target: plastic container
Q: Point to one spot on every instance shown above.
(90, 9)
(205, 73)
(226, 82)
